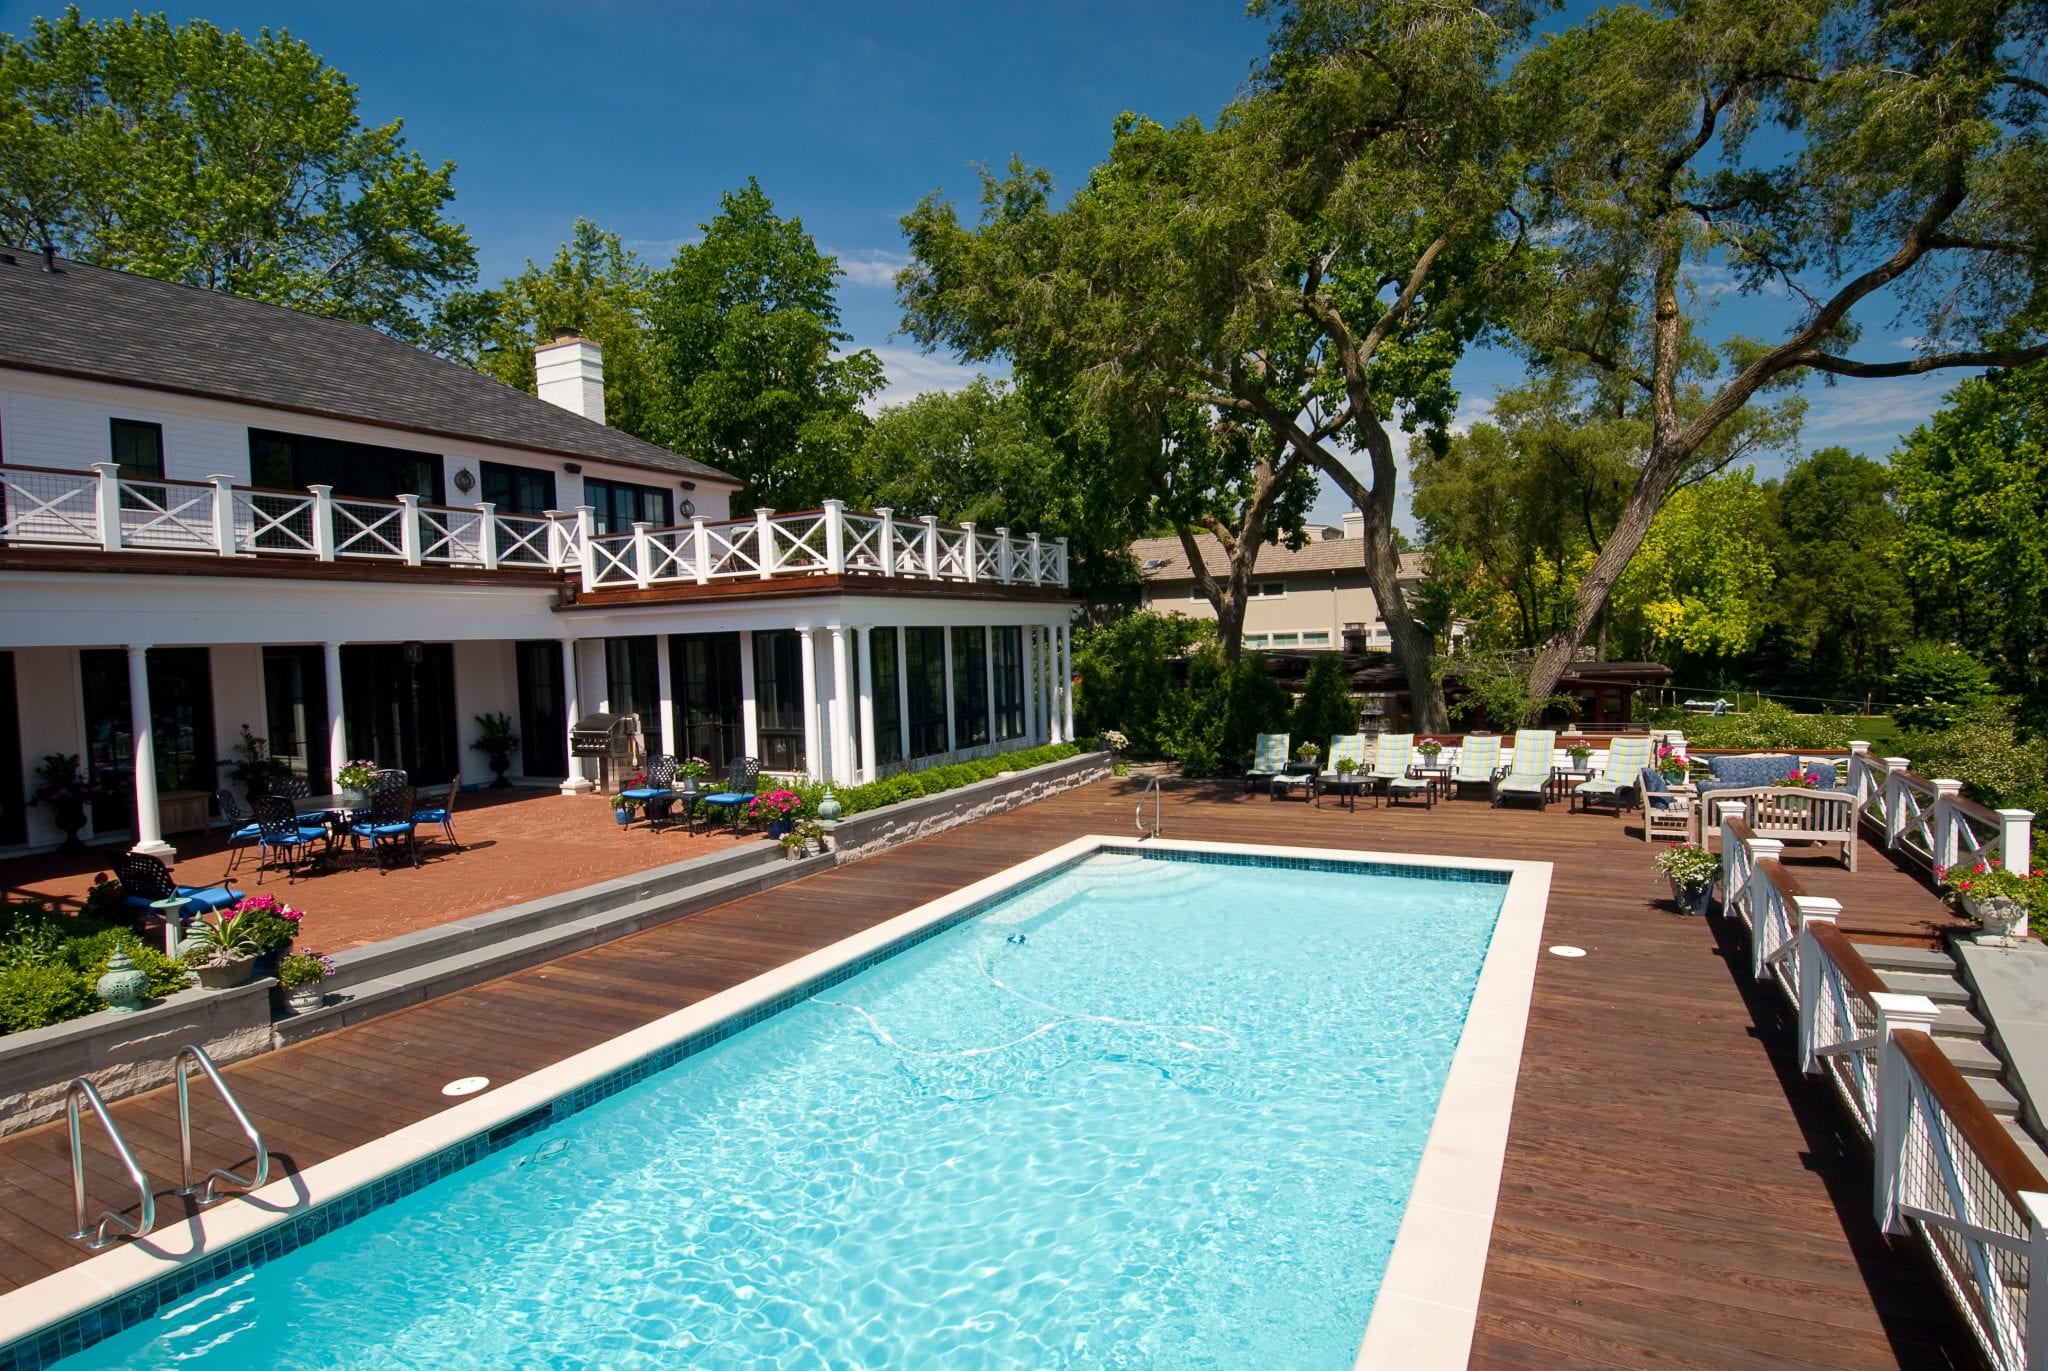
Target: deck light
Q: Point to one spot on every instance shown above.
(468, 1085)
(1567, 950)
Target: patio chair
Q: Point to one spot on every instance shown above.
(242, 826)
(145, 879)
(1269, 759)
(292, 787)
(1478, 760)
(1666, 813)
(1627, 757)
(387, 778)
(390, 825)
(658, 792)
(283, 838)
(742, 780)
(1389, 775)
(443, 813)
(1529, 776)
(1344, 784)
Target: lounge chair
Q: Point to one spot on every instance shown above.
(1617, 785)
(1269, 759)
(1529, 776)
(1478, 760)
(1389, 775)
(1344, 784)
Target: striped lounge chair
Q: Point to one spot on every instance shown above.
(1617, 785)
(1529, 777)
(1269, 759)
(1344, 785)
(1389, 775)
(1478, 759)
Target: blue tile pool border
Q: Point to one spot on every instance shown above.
(122, 1312)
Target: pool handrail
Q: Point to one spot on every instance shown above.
(145, 1220)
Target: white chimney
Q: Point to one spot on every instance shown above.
(569, 372)
(1354, 524)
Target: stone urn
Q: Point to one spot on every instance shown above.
(69, 817)
(304, 999)
(124, 984)
(2003, 919)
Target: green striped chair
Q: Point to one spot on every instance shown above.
(1478, 759)
(1616, 786)
(1529, 777)
(1389, 775)
(1269, 759)
(1345, 785)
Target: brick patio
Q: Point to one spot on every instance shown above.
(517, 845)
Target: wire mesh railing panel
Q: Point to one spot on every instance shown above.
(611, 558)
(368, 528)
(672, 555)
(734, 550)
(167, 516)
(49, 507)
(454, 537)
(523, 540)
(267, 521)
(863, 543)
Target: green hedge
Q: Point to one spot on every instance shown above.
(910, 785)
(50, 963)
(1769, 725)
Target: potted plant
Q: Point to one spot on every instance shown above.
(2002, 902)
(1672, 763)
(1430, 749)
(302, 975)
(496, 741)
(219, 950)
(253, 768)
(798, 840)
(354, 779)
(1581, 753)
(270, 926)
(1691, 870)
(778, 809)
(67, 791)
(1346, 766)
(1307, 754)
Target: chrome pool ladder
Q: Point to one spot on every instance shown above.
(1152, 792)
(96, 1238)
(186, 1185)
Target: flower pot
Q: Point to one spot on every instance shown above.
(1692, 901)
(2003, 919)
(795, 854)
(779, 828)
(500, 764)
(69, 816)
(622, 817)
(304, 999)
(227, 976)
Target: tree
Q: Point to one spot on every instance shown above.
(199, 157)
(746, 325)
(1840, 602)
(1700, 584)
(597, 286)
(1848, 156)
(1326, 708)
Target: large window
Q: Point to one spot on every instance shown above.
(1009, 683)
(779, 699)
(705, 668)
(620, 505)
(888, 704)
(516, 490)
(970, 687)
(631, 686)
(398, 700)
(293, 461)
(295, 706)
(138, 450)
(924, 671)
(180, 723)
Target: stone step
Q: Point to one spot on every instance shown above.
(2000, 1101)
(1971, 1057)
(2033, 1149)
(1956, 1021)
(1948, 989)
(1884, 958)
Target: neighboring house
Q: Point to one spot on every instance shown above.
(1313, 597)
(216, 513)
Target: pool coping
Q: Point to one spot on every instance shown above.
(1432, 1276)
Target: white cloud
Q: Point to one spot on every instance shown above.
(911, 373)
(1871, 416)
(871, 267)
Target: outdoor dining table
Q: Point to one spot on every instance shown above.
(337, 808)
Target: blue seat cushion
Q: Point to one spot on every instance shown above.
(245, 833)
(1656, 790)
(647, 793)
(205, 899)
(430, 816)
(726, 797)
(380, 830)
(1748, 773)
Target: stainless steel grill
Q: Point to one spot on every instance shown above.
(614, 739)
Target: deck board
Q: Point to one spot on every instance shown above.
(1675, 1194)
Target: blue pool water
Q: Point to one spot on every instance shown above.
(1147, 1113)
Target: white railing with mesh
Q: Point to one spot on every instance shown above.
(279, 521)
(39, 505)
(1932, 820)
(451, 537)
(1840, 1025)
(369, 528)
(167, 516)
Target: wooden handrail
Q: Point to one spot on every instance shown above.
(1740, 829)
(87, 475)
(1856, 972)
(1983, 814)
(2007, 1166)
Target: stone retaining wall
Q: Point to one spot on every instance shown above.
(908, 820)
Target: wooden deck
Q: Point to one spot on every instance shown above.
(1675, 1194)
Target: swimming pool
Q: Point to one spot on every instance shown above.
(1157, 1109)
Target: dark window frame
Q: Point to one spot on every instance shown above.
(618, 505)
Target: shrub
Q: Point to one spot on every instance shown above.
(1769, 725)
(35, 996)
(1326, 708)
(1986, 751)
(1130, 677)
(88, 957)
(1934, 686)
(51, 962)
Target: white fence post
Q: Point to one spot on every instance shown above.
(643, 556)
(2035, 1206)
(1006, 557)
(888, 539)
(931, 546)
(703, 550)
(1037, 563)
(586, 543)
(835, 537)
(323, 522)
(1813, 910)
(1061, 543)
(1732, 891)
(970, 542)
(409, 528)
(764, 541)
(1895, 1014)
(107, 501)
(1761, 892)
(558, 540)
(1859, 769)
(1946, 845)
(1894, 799)
(487, 534)
(224, 515)
(2016, 840)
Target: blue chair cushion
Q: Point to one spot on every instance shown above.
(1656, 790)
(647, 793)
(380, 830)
(205, 899)
(726, 797)
(430, 816)
(1748, 773)
(245, 833)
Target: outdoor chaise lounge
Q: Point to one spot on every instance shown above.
(1529, 777)
(1389, 774)
(1344, 784)
(1619, 783)
(1269, 759)
(1478, 760)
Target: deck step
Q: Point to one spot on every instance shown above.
(1887, 959)
(1940, 989)
(2000, 1101)
(1956, 1021)
(1971, 1056)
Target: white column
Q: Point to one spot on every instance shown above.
(903, 689)
(149, 829)
(1030, 634)
(1896, 1014)
(988, 669)
(867, 703)
(664, 685)
(576, 783)
(842, 708)
(750, 707)
(813, 767)
(1052, 685)
(337, 723)
(952, 727)
(1066, 682)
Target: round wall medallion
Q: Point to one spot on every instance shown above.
(465, 481)
(686, 508)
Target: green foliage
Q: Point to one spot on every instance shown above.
(38, 995)
(1326, 708)
(909, 785)
(1935, 685)
(1840, 604)
(1998, 764)
(200, 157)
(1700, 583)
(51, 962)
(1130, 678)
(1493, 688)
(1770, 725)
(746, 323)
(1228, 705)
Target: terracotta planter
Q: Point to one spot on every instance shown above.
(227, 976)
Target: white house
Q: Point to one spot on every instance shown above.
(216, 513)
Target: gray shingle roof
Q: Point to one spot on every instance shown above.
(1326, 554)
(133, 330)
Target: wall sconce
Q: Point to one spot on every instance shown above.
(686, 509)
(689, 485)
(573, 468)
(414, 653)
(464, 480)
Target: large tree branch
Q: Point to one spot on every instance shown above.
(1997, 357)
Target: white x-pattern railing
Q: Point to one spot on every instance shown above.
(101, 509)
(1933, 820)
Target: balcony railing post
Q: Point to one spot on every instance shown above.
(764, 541)
(224, 515)
(1760, 894)
(487, 534)
(323, 522)
(1733, 892)
(1859, 761)
(558, 540)
(970, 544)
(1812, 910)
(643, 556)
(835, 537)
(586, 543)
(703, 559)
(1061, 543)
(1006, 556)
(1946, 844)
(1037, 564)
(1894, 800)
(107, 501)
(931, 546)
(888, 539)
(1896, 1014)
(2015, 845)
(409, 528)
(2035, 1206)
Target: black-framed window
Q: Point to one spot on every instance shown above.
(970, 687)
(631, 686)
(137, 447)
(516, 490)
(180, 725)
(1009, 711)
(621, 504)
(705, 668)
(924, 671)
(779, 698)
(888, 704)
(398, 703)
(295, 711)
(293, 461)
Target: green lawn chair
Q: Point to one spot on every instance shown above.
(1617, 785)
(1529, 777)
(1478, 760)
(1269, 759)
(1389, 775)
(1344, 785)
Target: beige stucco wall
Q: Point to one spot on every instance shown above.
(1312, 604)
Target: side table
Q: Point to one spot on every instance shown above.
(1563, 778)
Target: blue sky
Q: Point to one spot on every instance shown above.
(638, 115)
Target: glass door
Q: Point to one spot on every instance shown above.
(543, 721)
